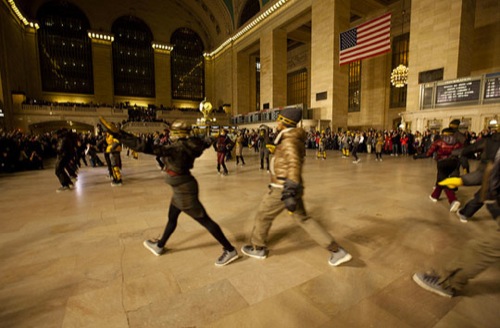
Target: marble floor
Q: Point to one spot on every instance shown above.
(76, 259)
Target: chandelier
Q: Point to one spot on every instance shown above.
(399, 76)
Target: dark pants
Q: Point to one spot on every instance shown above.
(264, 156)
(221, 161)
(204, 220)
(61, 164)
(116, 166)
(355, 152)
(107, 158)
(446, 168)
(238, 160)
(476, 255)
(475, 205)
(185, 199)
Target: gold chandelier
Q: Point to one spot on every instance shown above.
(399, 76)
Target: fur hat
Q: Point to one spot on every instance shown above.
(495, 127)
(180, 129)
(290, 116)
(447, 132)
(454, 124)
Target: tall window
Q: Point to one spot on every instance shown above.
(133, 58)
(252, 7)
(297, 88)
(187, 65)
(400, 52)
(65, 50)
(354, 96)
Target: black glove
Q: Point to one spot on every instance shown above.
(290, 203)
(292, 192)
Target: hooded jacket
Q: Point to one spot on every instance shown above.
(288, 156)
(444, 147)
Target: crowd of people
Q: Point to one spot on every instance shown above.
(395, 142)
(136, 113)
(22, 151)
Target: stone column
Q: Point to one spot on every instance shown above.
(441, 36)
(329, 19)
(209, 82)
(242, 79)
(34, 81)
(273, 68)
(102, 56)
(163, 82)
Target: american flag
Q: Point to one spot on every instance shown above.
(369, 39)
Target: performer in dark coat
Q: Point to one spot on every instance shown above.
(179, 157)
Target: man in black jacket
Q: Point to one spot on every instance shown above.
(479, 253)
(487, 147)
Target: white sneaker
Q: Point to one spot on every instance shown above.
(339, 257)
(455, 205)
(433, 199)
(152, 246)
(462, 217)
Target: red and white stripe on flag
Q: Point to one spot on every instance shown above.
(367, 40)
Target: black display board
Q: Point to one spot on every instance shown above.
(492, 86)
(458, 91)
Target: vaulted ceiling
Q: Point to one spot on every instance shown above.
(214, 20)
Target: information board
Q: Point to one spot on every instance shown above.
(492, 86)
(458, 91)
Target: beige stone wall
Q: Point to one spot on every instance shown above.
(14, 71)
(163, 84)
(241, 79)
(485, 57)
(329, 18)
(222, 76)
(273, 54)
(440, 37)
(374, 94)
(103, 72)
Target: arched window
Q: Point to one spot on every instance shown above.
(187, 65)
(400, 54)
(65, 50)
(251, 8)
(133, 58)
